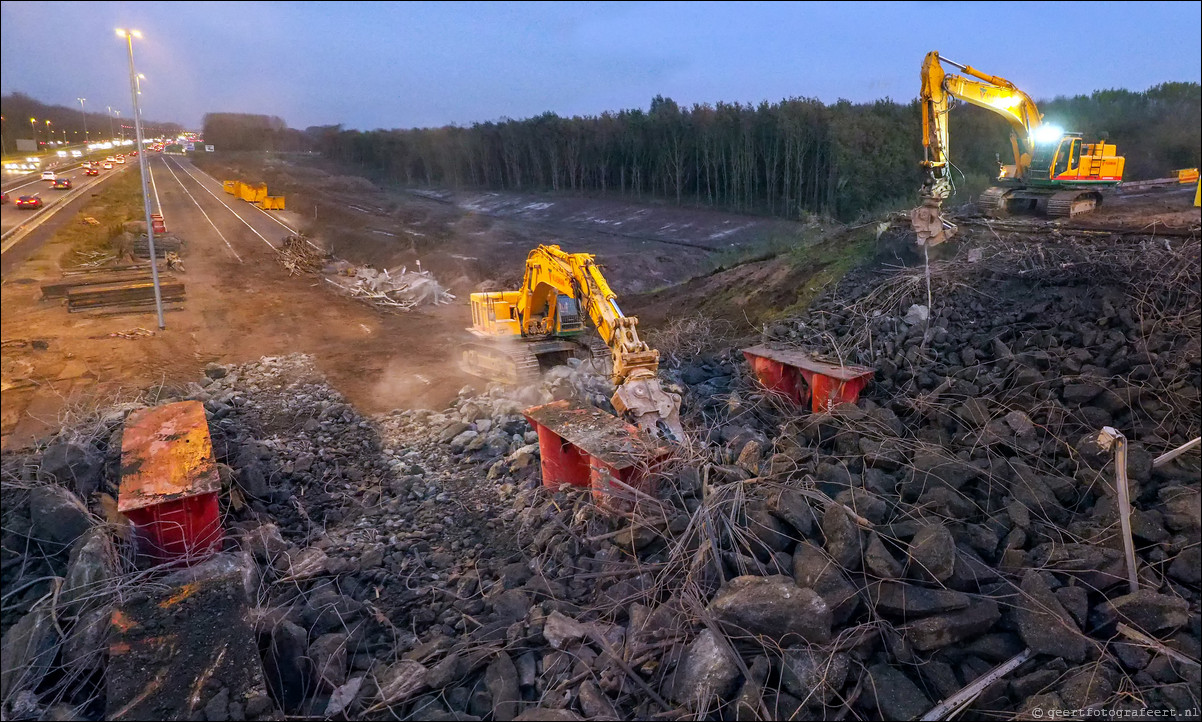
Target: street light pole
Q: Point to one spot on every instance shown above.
(142, 166)
(84, 113)
(34, 129)
(49, 138)
(112, 133)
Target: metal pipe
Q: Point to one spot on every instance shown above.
(142, 166)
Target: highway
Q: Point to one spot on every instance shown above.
(11, 217)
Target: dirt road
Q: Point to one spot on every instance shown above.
(241, 304)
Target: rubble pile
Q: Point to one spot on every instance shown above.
(867, 561)
(395, 288)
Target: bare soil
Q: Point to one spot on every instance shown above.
(55, 363)
(479, 240)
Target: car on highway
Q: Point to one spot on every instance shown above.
(111, 159)
(48, 175)
(107, 165)
(3, 198)
(29, 202)
(61, 184)
(92, 171)
(121, 160)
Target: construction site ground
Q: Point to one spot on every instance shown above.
(242, 304)
(953, 543)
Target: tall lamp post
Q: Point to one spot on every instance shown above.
(49, 138)
(34, 129)
(84, 113)
(120, 125)
(112, 133)
(129, 36)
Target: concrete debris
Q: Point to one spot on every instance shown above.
(865, 561)
(395, 288)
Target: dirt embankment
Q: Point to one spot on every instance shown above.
(479, 240)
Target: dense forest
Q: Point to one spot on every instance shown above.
(789, 158)
(245, 131)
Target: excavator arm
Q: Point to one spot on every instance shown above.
(551, 272)
(983, 90)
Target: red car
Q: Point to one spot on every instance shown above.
(61, 184)
(29, 202)
(92, 171)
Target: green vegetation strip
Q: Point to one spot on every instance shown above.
(114, 204)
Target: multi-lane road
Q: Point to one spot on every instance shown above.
(33, 185)
(185, 196)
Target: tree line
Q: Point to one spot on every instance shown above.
(248, 131)
(791, 158)
(69, 124)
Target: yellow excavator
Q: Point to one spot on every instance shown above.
(1054, 172)
(519, 334)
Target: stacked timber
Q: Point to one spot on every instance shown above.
(130, 295)
(163, 244)
(124, 287)
(58, 289)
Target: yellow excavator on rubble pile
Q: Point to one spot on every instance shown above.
(522, 333)
(1054, 172)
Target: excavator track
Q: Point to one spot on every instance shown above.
(595, 351)
(507, 363)
(521, 362)
(1066, 204)
(993, 201)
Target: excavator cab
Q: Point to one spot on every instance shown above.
(568, 317)
(1055, 158)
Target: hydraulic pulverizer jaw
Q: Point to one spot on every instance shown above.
(653, 409)
(927, 219)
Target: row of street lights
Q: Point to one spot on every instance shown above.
(87, 137)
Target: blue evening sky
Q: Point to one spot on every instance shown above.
(410, 64)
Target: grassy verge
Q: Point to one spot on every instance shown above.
(828, 261)
(115, 203)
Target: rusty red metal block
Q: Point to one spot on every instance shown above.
(174, 643)
(169, 483)
(583, 446)
(804, 379)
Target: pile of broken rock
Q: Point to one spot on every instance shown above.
(868, 561)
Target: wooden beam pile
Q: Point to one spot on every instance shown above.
(163, 244)
(127, 294)
(126, 288)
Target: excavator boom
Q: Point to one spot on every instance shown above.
(1059, 173)
(557, 287)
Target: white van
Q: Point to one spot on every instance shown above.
(49, 175)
